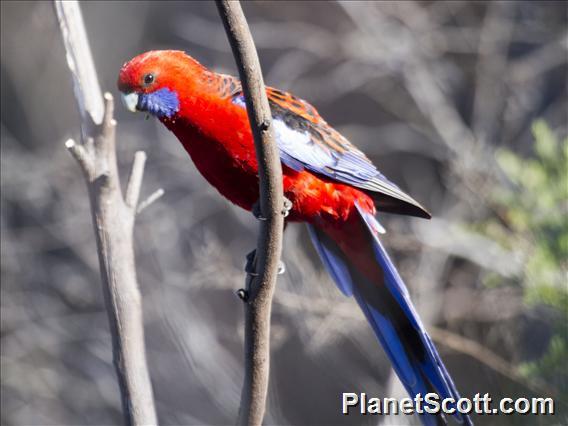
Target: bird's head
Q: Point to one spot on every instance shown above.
(159, 82)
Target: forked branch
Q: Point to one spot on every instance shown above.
(113, 218)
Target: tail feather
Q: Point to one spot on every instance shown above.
(368, 274)
(333, 260)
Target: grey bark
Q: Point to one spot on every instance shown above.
(113, 218)
(261, 285)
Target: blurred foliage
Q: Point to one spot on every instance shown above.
(532, 223)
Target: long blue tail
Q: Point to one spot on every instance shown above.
(387, 306)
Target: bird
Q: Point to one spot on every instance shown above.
(331, 185)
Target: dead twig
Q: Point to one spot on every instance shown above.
(113, 218)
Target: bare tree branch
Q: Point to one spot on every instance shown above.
(269, 246)
(80, 63)
(487, 357)
(152, 198)
(135, 179)
(489, 98)
(82, 156)
(536, 63)
(455, 240)
(113, 219)
(343, 312)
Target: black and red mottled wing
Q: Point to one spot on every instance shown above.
(307, 142)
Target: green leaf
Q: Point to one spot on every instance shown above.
(532, 221)
(546, 143)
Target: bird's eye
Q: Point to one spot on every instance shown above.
(149, 78)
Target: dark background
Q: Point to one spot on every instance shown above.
(427, 89)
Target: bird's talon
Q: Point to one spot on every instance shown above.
(242, 294)
(256, 211)
(281, 268)
(287, 207)
(250, 256)
(249, 265)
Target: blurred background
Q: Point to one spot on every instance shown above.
(463, 104)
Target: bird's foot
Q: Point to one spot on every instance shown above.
(256, 211)
(250, 269)
(281, 268)
(250, 265)
(243, 294)
(287, 206)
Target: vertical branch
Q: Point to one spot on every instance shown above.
(259, 303)
(113, 219)
(80, 63)
(490, 89)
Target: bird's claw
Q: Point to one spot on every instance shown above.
(256, 211)
(249, 265)
(287, 206)
(281, 268)
(243, 294)
(251, 269)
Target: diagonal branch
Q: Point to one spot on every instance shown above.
(82, 156)
(269, 246)
(152, 198)
(487, 357)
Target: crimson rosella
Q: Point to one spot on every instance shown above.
(333, 187)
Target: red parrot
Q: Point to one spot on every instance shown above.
(333, 188)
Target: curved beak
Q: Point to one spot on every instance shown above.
(130, 101)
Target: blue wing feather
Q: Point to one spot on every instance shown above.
(309, 143)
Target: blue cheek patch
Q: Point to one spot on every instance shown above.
(163, 103)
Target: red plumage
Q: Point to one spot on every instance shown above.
(216, 134)
(331, 184)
